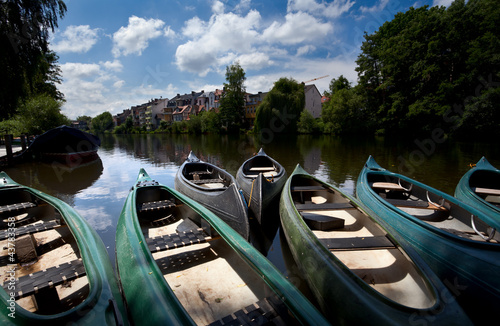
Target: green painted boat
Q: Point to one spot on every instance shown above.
(180, 264)
(54, 267)
(358, 273)
(480, 188)
(456, 240)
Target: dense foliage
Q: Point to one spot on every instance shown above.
(35, 116)
(434, 68)
(232, 102)
(28, 66)
(280, 110)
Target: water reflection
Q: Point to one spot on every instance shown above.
(98, 190)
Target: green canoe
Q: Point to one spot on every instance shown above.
(179, 264)
(457, 241)
(480, 188)
(54, 267)
(359, 274)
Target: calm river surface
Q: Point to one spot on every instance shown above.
(98, 190)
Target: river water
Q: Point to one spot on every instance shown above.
(98, 190)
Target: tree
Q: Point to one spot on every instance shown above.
(345, 113)
(102, 122)
(337, 85)
(28, 65)
(281, 108)
(39, 114)
(232, 103)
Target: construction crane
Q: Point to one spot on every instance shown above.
(315, 79)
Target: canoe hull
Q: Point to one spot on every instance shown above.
(468, 268)
(150, 298)
(483, 175)
(104, 304)
(227, 203)
(261, 190)
(344, 297)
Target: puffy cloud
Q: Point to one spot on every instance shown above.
(297, 28)
(134, 38)
(78, 39)
(115, 65)
(212, 40)
(445, 3)
(331, 10)
(303, 50)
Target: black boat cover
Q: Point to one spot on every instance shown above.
(64, 139)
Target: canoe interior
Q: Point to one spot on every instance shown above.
(44, 247)
(431, 208)
(360, 243)
(206, 176)
(486, 185)
(208, 277)
(261, 164)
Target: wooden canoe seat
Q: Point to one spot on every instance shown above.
(309, 188)
(388, 186)
(262, 169)
(325, 206)
(268, 311)
(49, 278)
(358, 243)
(33, 228)
(203, 181)
(156, 205)
(486, 191)
(16, 207)
(322, 222)
(177, 240)
(416, 204)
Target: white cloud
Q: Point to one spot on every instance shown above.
(303, 50)
(79, 39)
(378, 7)
(333, 9)
(445, 3)
(297, 28)
(135, 38)
(217, 7)
(115, 65)
(211, 41)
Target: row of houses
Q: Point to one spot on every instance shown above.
(182, 107)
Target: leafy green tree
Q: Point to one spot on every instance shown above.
(210, 122)
(39, 114)
(27, 64)
(337, 85)
(345, 113)
(280, 109)
(307, 124)
(102, 122)
(232, 103)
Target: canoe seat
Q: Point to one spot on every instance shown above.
(358, 243)
(268, 311)
(322, 222)
(309, 188)
(325, 206)
(416, 204)
(203, 181)
(177, 240)
(388, 186)
(33, 228)
(49, 278)
(156, 205)
(486, 191)
(16, 207)
(262, 169)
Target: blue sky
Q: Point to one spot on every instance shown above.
(116, 54)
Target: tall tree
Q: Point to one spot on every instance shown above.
(24, 33)
(102, 122)
(232, 103)
(280, 109)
